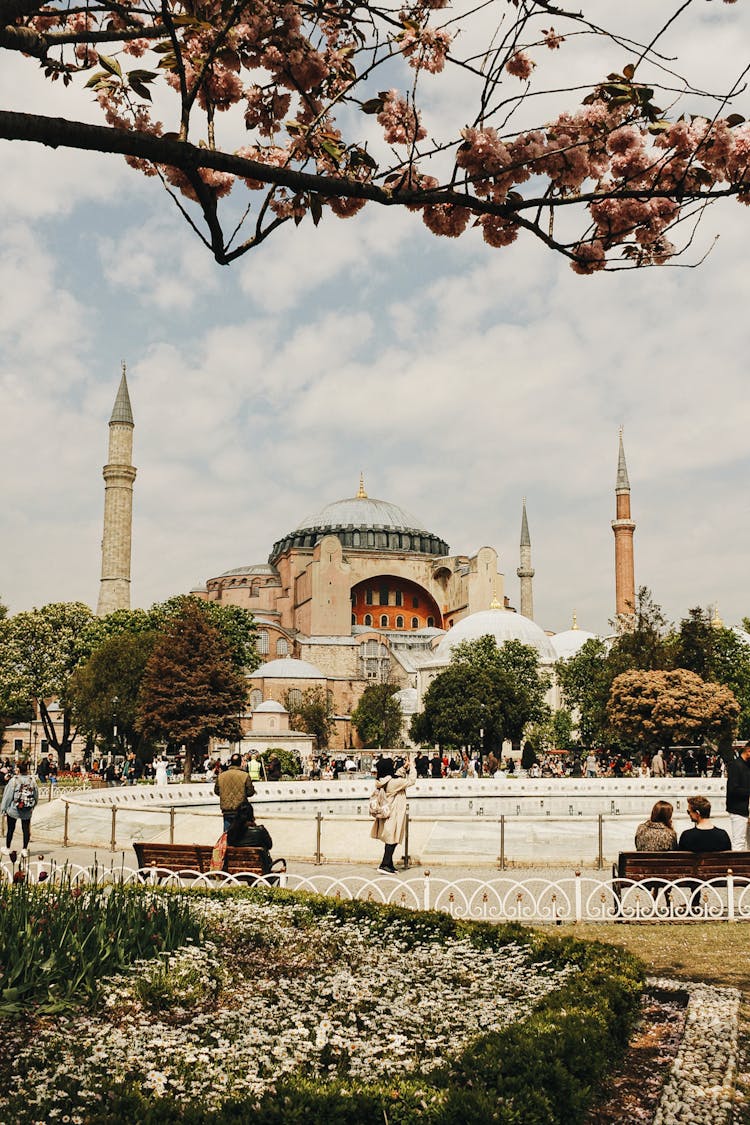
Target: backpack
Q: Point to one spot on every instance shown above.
(380, 806)
(25, 795)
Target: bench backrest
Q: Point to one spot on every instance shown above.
(679, 865)
(197, 857)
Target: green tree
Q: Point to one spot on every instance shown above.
(236, 625)
(313, 713)
(460, 704)
(704, 646)
(524, 684)
(584, 680)
(40, 651)
(191, 689)
(657, 709)
(378, 716)
(103, 692)
(643, 640)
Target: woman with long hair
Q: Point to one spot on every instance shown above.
(657, 833)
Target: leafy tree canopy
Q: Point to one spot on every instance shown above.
(191, 689)
(660, 709)
(378, 716)
(313, 713)
(103, 692)
(491, 116)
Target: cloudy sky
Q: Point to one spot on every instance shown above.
(457, 378)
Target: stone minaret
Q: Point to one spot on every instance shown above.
(119, 474)
(623, 528)
(526, 571)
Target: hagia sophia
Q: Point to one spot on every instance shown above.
(359, 592)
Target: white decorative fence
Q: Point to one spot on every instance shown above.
(576, 898)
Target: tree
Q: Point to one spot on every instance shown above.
(301, 76)
(103, 692)
(236, 625)
(191, 690)
(313, 713)
(40, 651)
(643, 639)
(584, 680)
(660, 709)
(378, 716)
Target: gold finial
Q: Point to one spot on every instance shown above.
(575, 620)
(495, 604)
(361, 495)
(716, 620)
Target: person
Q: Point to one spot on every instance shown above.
(738, 798)
(42, 772)
(591, 764)
(234, 785)
(704, 836)
(394, 778)
(657, 834)
(422, 764)
(245, 832)
(253, 768)
(20, 798)
(273, 771)
(436, 767)
(658, 765)
(160, 771)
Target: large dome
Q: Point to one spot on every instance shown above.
(363, 523)
(502, 624)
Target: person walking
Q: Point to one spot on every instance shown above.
(738, 799)
(233, 785)
(394, 778)
(20, 798)
(658, 765)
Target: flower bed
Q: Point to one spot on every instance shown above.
(303, 1009)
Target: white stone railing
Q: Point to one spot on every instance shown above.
(576, 898)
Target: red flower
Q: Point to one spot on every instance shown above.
(19, 876)
(42, 876)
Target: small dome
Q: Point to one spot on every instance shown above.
(287, 668)
(503, 625)
(741, 635)
(570, 641)
(271, 705)
(255, 568)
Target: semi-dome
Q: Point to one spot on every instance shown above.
(361, 522)
(570, 641)
(287, 668)
(254, 568)
(272, 705)
(502, 624)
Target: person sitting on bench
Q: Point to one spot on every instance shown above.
(245, 833)
(703, 836)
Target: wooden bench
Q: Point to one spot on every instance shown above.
(639, 866)
(168, 859)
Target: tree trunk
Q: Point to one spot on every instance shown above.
(187, 769)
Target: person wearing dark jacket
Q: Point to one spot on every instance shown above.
(738, 798)
(703, 836)
(245, 833)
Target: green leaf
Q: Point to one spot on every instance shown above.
(735, 119)
(95, 79)
(373, 105)
(143, 75)
(138, 88)
(316, 208)
(332, 149)
(110, 64)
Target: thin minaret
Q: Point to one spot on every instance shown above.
(119, 474)
(623, 528)
(526, 571)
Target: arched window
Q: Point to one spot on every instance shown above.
(399, 622)
(256, 698)
(294, 697)
(384, 621)
(399, 597)
(368, 597)
(263, 645)
(368, 619)
(430, 622)
(282, 647)
(355, 539)
(415, 622)
(354, 619)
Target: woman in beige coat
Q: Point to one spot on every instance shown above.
(394, 779)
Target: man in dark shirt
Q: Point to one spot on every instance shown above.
(738, 798)
(703, 836)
